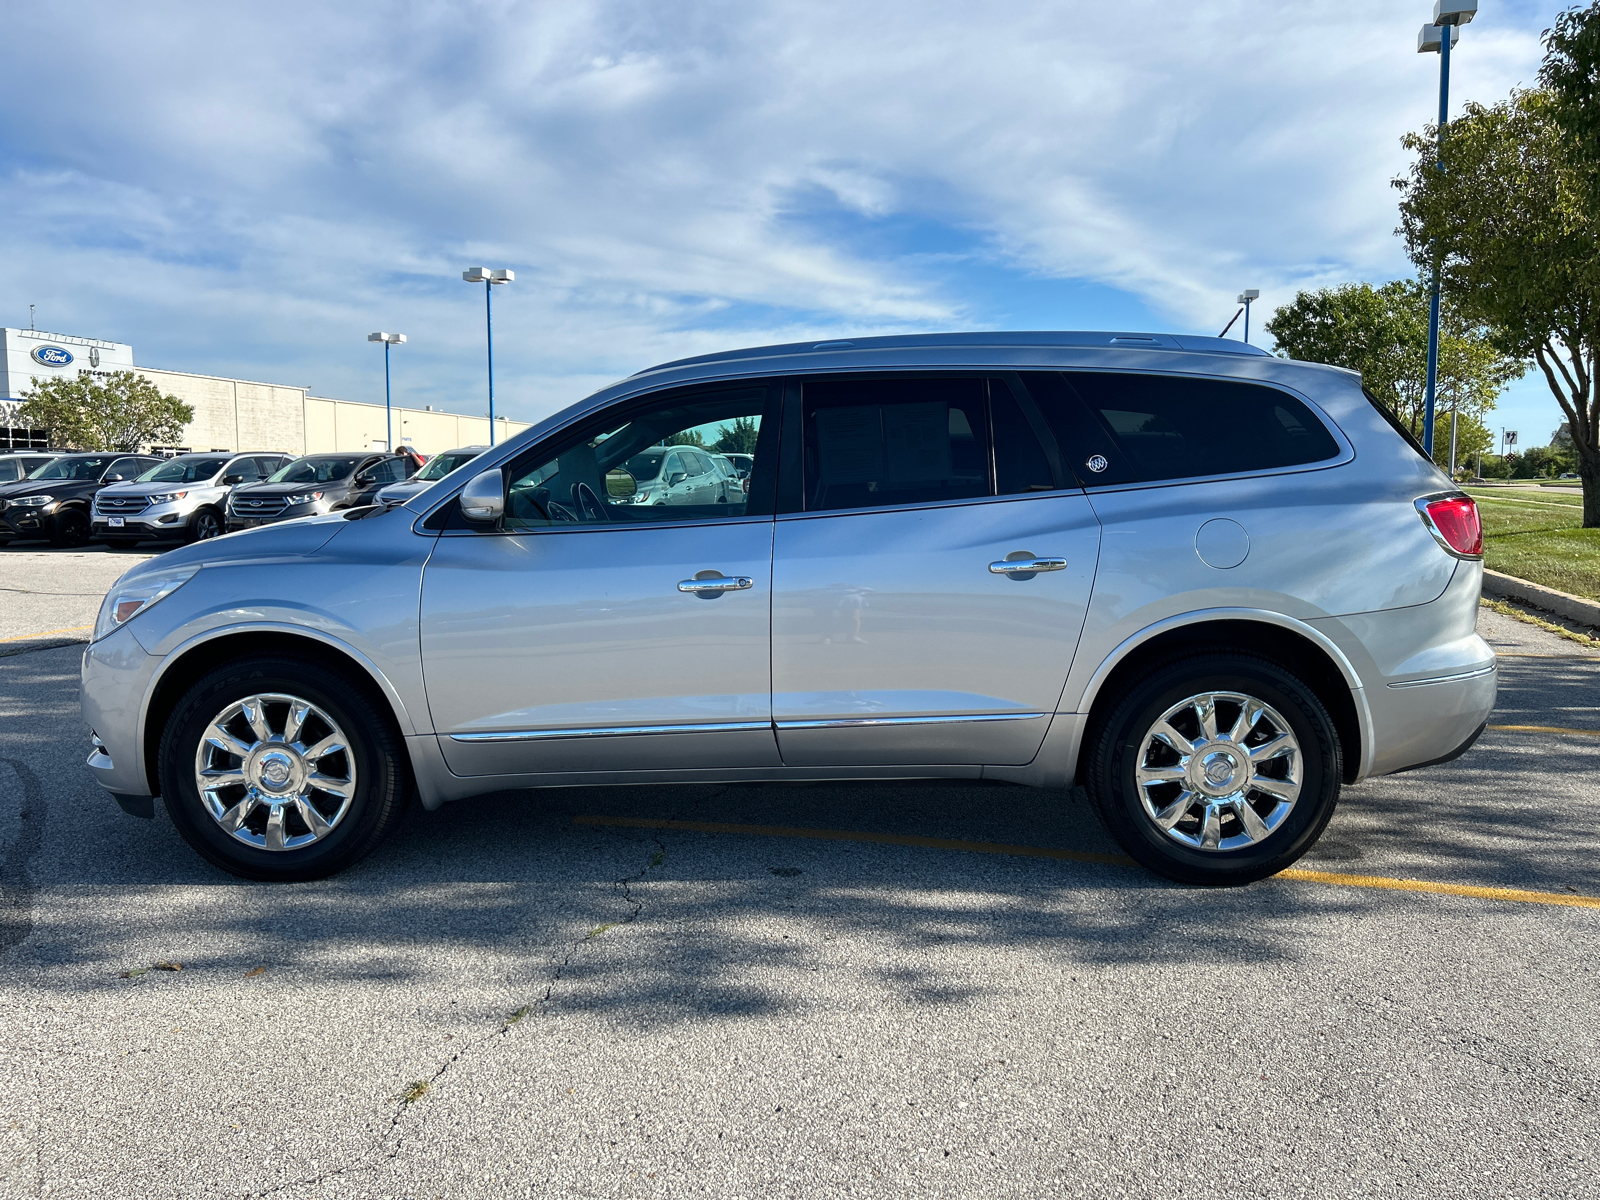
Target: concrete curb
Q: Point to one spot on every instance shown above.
(1574, 608)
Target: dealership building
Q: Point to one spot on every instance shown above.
(229, 414)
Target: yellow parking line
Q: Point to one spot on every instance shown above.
(1547, 729)
(1440, 889)
(899, 839)
(28, 637)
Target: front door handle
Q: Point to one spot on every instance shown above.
(1027, 566)
(717, 583)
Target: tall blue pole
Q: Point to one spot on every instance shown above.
(1247, 322)
(488, 329)
(388, 411)
(1433, 302)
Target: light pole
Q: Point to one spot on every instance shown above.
(1448, 17)
(489, 279)
(1245, 297)
(388, 339)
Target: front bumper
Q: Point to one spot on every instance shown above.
(116, 677)
(236, 521)
(17, 521)
(173, 529)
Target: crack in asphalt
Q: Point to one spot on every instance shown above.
(621, 886)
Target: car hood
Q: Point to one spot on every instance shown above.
(53, 487)
(289, 489)
(288, 540)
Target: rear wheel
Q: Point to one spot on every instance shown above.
(70, 529)
(1215, 768)
(278, 769)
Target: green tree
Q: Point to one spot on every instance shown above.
(1506, 212)
(739, 437)
(1474, 438)
(123, 412)
(1382, 332)
(688, 437)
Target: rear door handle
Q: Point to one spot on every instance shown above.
(1027, 566)
(717, 583)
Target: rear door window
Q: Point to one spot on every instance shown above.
(1125, 427)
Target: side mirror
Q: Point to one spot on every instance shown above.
(112, 479)
(484, 497)
(230, 480)
(676, 478)
(364, 478)
(621, 484)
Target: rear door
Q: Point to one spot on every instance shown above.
(906, 627)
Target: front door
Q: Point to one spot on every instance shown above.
(599, 628)
(929, 594)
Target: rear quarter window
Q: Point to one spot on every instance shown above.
(1172, 427)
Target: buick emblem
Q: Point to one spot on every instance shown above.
(1097, 463)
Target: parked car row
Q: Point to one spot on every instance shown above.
(121, 500)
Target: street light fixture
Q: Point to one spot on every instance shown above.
(1438, 38)
(1245, 297)
(489, 278)
(388, 339)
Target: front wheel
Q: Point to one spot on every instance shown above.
(1215, 768)
(278, 769)
(205, 525)
(69, 530)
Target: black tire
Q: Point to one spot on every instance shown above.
(1114, 745)
(206, 523)
(383, 780)
(69, 530)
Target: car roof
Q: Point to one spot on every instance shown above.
(1074, 338)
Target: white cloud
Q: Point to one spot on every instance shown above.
(250, 191)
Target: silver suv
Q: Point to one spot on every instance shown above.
(182, 500)
(1210, 585)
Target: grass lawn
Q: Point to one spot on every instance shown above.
(1538, 536)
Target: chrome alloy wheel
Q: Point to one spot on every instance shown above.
(275, 772)
(1219, 771)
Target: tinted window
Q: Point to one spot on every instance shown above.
(873, 442)
(315, 470)
(1172, 428)
(441, 465)
(72, 468)
(618, 471)
(1021, 462)
(10, 470)
(269, 465)
(248, 468)
(391, 470)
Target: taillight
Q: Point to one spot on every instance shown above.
(1453, 520)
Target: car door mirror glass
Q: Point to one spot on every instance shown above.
(621, 484)
(484, 497)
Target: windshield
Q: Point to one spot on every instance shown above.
(441, 465)
(72, 468)
(183, 470)
(314, 470)
(646, 466)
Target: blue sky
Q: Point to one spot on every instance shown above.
(250, 190)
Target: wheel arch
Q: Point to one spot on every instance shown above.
(191, 661)
(1290, 643)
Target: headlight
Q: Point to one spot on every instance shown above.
(33, 501)
(305, 498)
(166, 497)
(127, 600)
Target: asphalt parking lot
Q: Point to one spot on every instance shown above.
(610, 992)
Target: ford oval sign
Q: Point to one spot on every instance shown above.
(52, 356)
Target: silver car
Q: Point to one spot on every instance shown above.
(1210, 585)
(181, 500)
(435, 469)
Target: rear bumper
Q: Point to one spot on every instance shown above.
(1427, 721)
